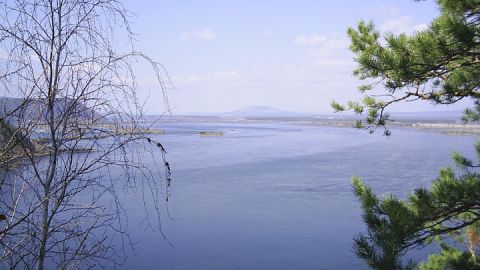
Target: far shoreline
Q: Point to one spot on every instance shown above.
(449, 126)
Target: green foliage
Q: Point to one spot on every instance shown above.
(358, 124)
(449, 258)
(337, 107)
(461, 161)
(472, 114)
(390, 223)
(448, 209)
(440, 64)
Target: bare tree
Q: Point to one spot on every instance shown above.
(73, 125)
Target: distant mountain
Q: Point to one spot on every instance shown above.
(36, 108)
(260, 111)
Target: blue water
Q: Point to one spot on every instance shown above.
(278, 196)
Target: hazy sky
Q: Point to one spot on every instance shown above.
(291, 55)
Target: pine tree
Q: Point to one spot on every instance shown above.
(440, 64)
(448, 209)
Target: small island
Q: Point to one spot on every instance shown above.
(210, 133)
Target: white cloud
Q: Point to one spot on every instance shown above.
(421, 27)
(402, 24)
(334, 60)
(328, 50)
(330, 41)
(323, 73)
(218, 77)
(310, 40)
(202, 34)
(300, 87)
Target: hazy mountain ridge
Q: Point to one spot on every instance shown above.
(32, 108)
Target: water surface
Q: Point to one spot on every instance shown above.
(278, 196)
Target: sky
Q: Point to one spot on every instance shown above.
(291, 55)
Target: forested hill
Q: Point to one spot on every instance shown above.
(36, 108)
